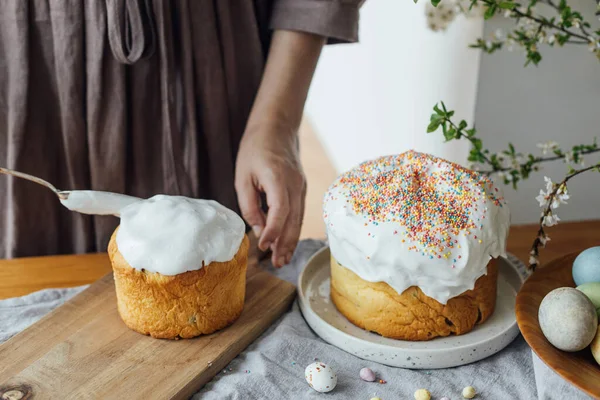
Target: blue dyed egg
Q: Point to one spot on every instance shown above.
(586, 267)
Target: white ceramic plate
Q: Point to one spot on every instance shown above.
(483, 341)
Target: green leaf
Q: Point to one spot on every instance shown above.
(432, 127)
(449, 114)
(462, 125)
(512, 149)
(491, 10)
(435, 2)
(562, 39)
(477, 143)
(450, 134)
(437, 110)
(506, 5)
(436, 117)
(470, 132)
(562, 4)
(535, 57)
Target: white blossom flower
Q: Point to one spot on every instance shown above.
(594, 44)
(547, 146)
(438, 18)
(549, 185)
(544, 239)
(533, 260)
(550, 220)
(559, 198)
(576, 23)
(569, 157)
(515, 162)
(498, 34)
(542, 198)
(550, 39)
(510, 44)
(507, 13)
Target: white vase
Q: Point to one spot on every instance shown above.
(375, 97)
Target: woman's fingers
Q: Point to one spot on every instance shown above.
(286, 244)
(279, 208)
(249, 201)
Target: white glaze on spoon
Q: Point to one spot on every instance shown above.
(165, 234)
(96, 202)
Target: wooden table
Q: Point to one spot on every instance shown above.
(22, 276)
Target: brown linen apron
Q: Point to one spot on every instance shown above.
(138, 97)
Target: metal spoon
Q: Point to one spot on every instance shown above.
(63, 195)
(84, 201)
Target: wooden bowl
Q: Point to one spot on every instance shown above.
(579, 368)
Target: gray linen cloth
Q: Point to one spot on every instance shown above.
(273, 366)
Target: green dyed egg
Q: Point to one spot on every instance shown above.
(592, 291)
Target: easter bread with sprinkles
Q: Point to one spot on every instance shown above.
(413, 242)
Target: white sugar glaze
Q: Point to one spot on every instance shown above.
(394, 220)
(166, 234)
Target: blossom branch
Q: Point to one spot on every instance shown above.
(544, 22)
(555, 195)
(520, 166)
(532, 29)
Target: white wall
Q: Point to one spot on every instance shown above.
(375, 97)
(559, 100)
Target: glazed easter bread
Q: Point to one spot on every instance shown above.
(184, 305)
(413, 240)
(179, 266)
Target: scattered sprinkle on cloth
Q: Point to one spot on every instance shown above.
(273, 366)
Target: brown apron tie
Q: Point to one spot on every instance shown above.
(131, 31)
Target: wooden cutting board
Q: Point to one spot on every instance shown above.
(83, 350)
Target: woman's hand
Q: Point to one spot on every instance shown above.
(268, 162)
(268, 159)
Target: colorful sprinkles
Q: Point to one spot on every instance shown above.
(436, 201)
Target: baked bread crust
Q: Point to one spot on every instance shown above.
(180, 306)
(412, 315)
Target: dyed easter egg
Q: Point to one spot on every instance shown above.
(595, 346)
(592, 291)
(568, 319)
(586, 267)
(469, 392)
(320, 377)
(422, 394)
(367, 374)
